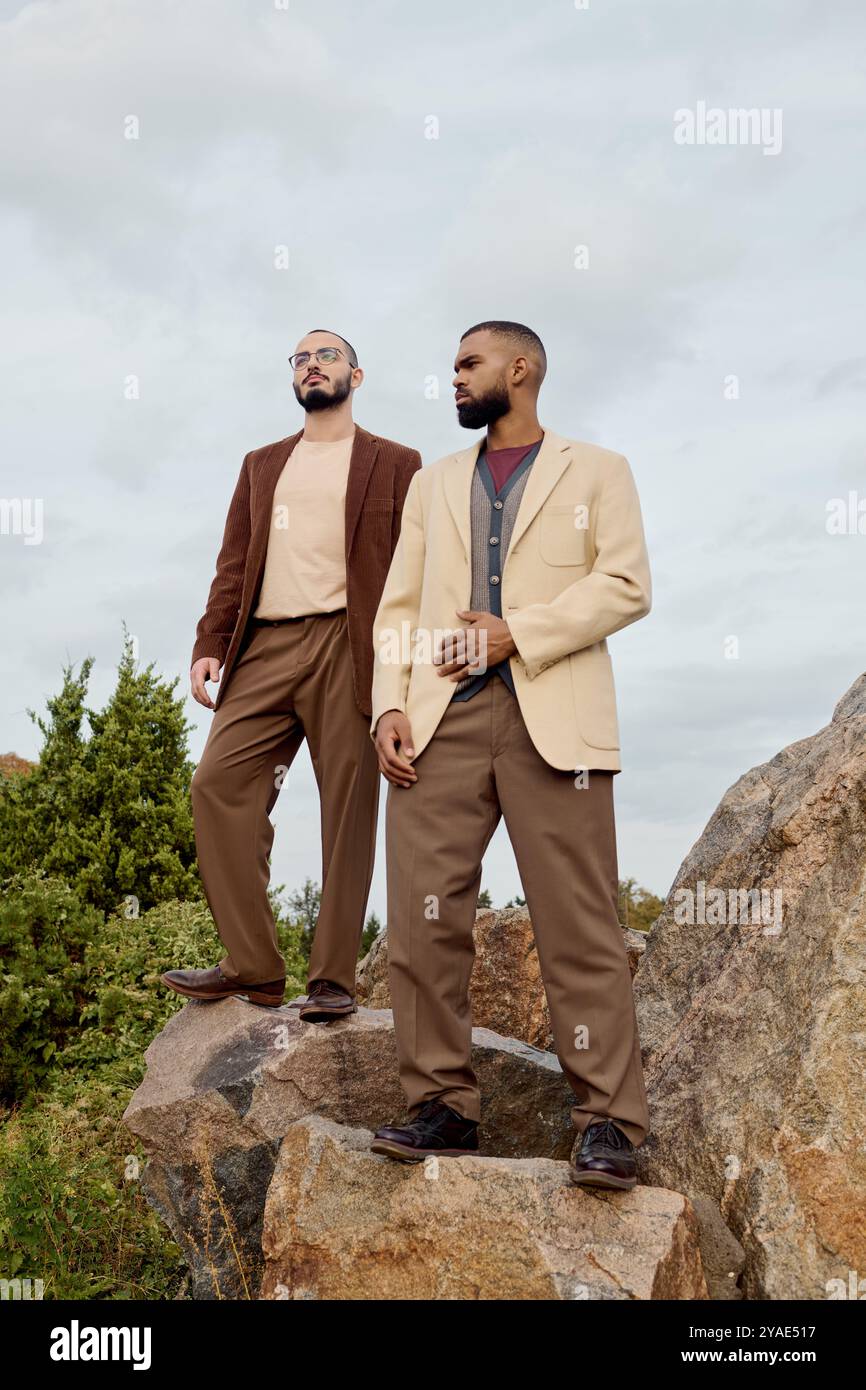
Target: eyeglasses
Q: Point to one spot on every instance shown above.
(300, 359)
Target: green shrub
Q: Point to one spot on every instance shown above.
(72, 1212)
(45, 931)
(71, 1208)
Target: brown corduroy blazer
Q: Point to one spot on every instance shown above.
(379, 475)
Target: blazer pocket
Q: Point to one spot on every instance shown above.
(594, 693)
(560, 540)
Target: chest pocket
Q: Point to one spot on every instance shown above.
(560, 541)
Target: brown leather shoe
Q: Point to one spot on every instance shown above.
(212, 984)
(436, 1129)
(603, 1157)
(324, 1001)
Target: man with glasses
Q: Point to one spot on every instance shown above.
(308, 540)
(517, 558)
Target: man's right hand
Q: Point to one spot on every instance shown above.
(393, 731)
(207, 668)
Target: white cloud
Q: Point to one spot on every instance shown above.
(258, 128)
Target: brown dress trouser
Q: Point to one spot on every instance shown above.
(292, 681)
(479, 765)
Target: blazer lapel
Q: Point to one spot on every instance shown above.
(550, 463)
(364, 451)
(457, 484)
(264, 487)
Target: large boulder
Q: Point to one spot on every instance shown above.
(342, 1223)
(506, 990)
(225, 1081)
(752, 1015)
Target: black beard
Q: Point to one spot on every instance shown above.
(483, 410)
(317, 398)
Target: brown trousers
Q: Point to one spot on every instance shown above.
(292, 681)
(479, 765)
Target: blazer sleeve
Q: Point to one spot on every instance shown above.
(397, 614)
(214, 632)
(617, 590)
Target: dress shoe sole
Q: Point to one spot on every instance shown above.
(318, 1014)
(594, 1178)
(406, 1154)
(208, 996)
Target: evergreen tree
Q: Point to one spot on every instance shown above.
(302, 910)
(111, 813)
(39, 811)
(372, 928)
(516, 901)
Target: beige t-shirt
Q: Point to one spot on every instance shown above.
(305, 565)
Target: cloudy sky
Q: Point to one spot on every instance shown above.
(712, 329)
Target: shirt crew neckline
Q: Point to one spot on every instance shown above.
(511, 448)
(326, 443)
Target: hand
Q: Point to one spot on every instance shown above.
(207, 668)
(483, 642)
(393, 730)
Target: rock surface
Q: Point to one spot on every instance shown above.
(506, 990)
(754, 1032)
(342, 1223)
(225, 1081)
(752, 1017)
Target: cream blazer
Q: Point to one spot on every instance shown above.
(576, 570)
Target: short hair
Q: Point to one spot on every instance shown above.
(516, 333)
(352, 354)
